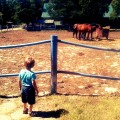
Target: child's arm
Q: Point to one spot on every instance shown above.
(35, 86)
(20, 84)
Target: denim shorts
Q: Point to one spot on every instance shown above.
(28, 94)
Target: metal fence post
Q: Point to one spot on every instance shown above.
(54, 64)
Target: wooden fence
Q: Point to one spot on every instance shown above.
(54, 48)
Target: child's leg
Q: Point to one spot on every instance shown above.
(25, 106)
(31, 113)
(30, 108)
(25, 110)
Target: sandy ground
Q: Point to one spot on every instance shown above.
(70, 58)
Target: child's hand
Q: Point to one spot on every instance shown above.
(37, 92)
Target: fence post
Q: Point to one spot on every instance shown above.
(53, 64)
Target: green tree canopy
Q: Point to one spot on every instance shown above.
(19, 11)
(28, 10)
(1, 17)
(116, 9)
(78, 10)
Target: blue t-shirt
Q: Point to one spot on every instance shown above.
(26, 77)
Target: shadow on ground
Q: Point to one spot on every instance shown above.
(49, 114)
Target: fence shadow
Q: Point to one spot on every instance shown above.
(9, 96)
(49, 114)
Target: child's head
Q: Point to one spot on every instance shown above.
(29, 62)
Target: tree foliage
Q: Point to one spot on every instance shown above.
(116, 9)
(5, 10)
(1, 17)
(69, 11)
(78, 10)
(20, 10)
(28, 10)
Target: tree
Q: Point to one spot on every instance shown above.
(37, 6)
(3, 10)
(78, 10)
(1, 18)
(7, 10)
(115, 15)
(22, 11)
(28, 10)
(116, 9)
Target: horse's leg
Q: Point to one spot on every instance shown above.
(79, 35)
(84, 35)
(73, 34)
(88, 36)
(76, 33)
(91, 36)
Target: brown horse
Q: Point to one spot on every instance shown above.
(84, 29)
(75, 31)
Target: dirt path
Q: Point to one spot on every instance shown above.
(11, 109)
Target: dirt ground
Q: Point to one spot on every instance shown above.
(70, 58)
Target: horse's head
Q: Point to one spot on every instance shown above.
(75, 31)
(75, 26)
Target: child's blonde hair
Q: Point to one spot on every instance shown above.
(29, 62)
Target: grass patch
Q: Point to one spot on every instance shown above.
(82, 108)
(71, 107)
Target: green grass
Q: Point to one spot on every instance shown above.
(74, 107)
(82, 107)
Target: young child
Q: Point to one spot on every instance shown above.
(28, 86)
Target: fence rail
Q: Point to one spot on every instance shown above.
(89, 46)
(88, 75)
(24, 45)
(53, 41)
(16, 74)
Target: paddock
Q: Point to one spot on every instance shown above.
(70, 58)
